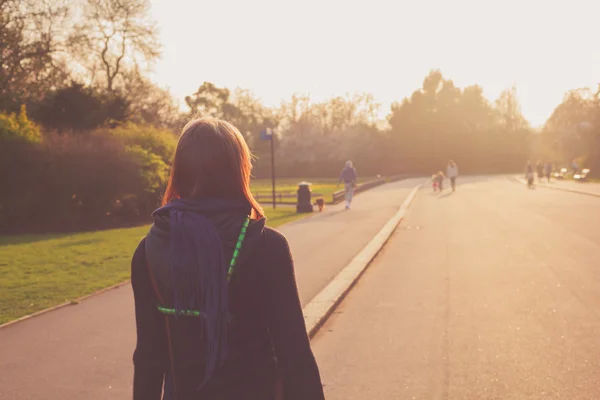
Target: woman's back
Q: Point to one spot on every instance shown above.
(218, 321)
(264, 309)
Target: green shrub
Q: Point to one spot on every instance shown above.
(153, 170)
(160, 142)
(18, 128)
(69, 182)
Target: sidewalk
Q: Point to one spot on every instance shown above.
(486, 293)
(84, 351)
(588, 188)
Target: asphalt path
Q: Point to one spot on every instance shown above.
(84, 351)
(491, 292)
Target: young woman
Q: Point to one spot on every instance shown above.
(216, 303)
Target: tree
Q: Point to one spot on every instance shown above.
(440, 121)
(242, 109)
(316, 138)
(116, 33)
(250, 116)
(509, 110)
(33, 37)
(149, 104)
(211, 101)
(79, 108)
(573, 129)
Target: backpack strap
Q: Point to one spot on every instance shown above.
(167, 326)
(230, 271)
(167, 311)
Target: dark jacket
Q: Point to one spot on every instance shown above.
(348, 175)
(267, 338)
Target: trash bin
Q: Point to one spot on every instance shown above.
(304, 204)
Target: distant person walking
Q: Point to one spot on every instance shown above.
(548, 171)
(438, 181)
(529, 174)
(574, 167)
(216, 305)
(540, 170)
(452, 173)
(349, 177)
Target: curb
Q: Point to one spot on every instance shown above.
(322, 305)
(68, 303)
(560, 189)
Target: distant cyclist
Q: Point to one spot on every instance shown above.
(349, 177)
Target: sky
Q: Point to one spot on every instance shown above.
(329, 48)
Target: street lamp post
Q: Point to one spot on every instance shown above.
(267, 134)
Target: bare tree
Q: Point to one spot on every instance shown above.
(148, 103)
(33, 36)
(117, 33)
(509, 108)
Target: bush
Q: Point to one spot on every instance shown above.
(154, 172)
(152, 149)
(156, 141)
(70, 182)
(79, 108)
(18, 128)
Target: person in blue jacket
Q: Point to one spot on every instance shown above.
(349, 177)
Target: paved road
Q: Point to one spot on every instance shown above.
(84, 351)
(492, 292)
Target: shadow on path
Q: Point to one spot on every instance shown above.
(318, 215)
(443, 196)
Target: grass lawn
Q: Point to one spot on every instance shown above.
(40, 271)
(322, 187)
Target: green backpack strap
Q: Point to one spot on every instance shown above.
(230, 271)
(167, 325)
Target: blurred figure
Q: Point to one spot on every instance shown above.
(349, 177)
(439, 179)
(548, 171)
(540, 170)
(452, 173)
(574, 167)
(529, 174)
(434, 182)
